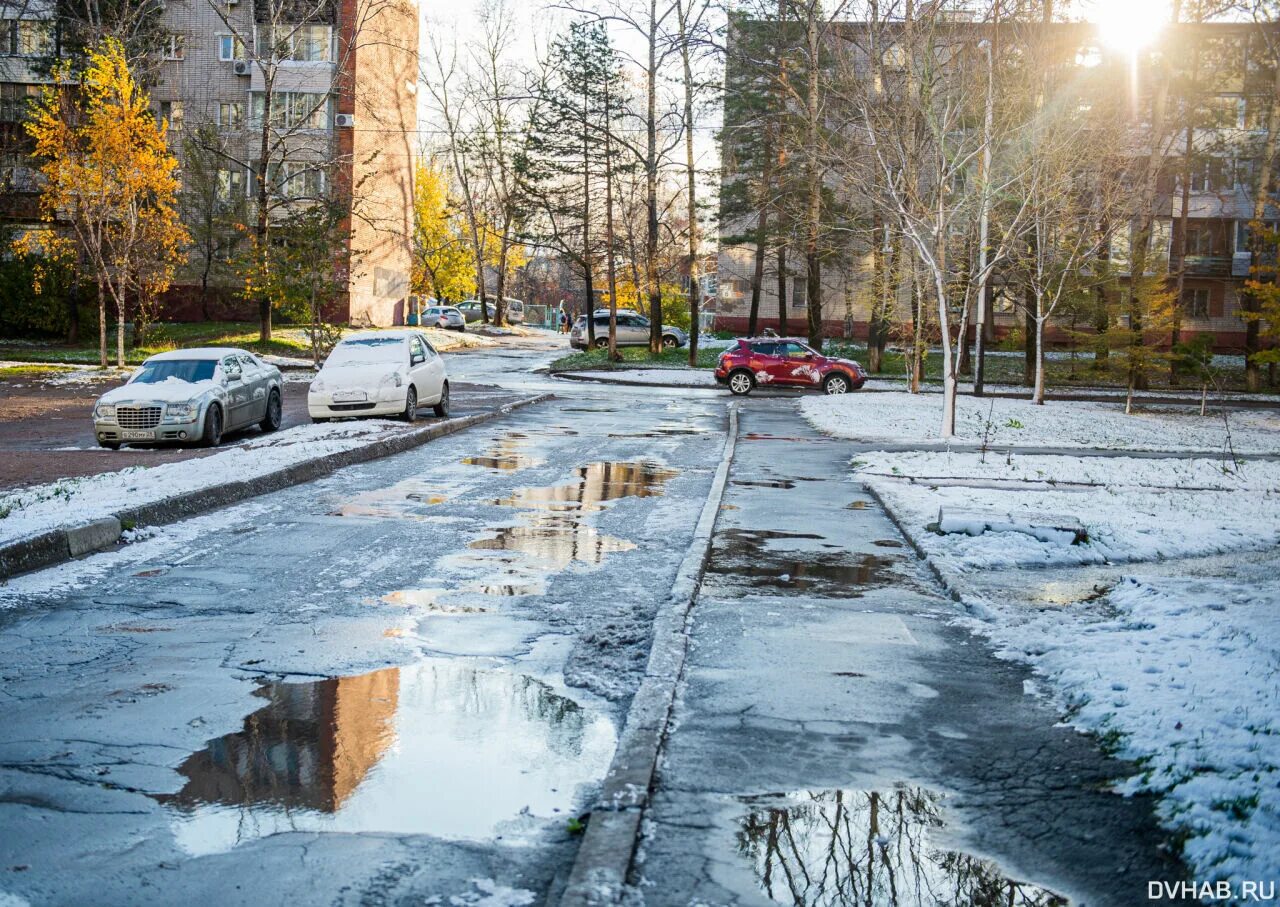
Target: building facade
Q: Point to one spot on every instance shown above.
(1236, 102)
(339, 77)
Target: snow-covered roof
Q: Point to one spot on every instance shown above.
(200, 352)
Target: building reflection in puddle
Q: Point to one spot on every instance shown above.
(843, 848)
(595, 484)
(435, 748)
(506, 454)
(409, 499)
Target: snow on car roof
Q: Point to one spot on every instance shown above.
(369, 335)
(200, 352)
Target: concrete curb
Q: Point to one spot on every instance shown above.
(609, 843)
(59, 545)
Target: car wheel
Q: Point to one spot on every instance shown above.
(109, 445)
(212, 435)
(836, 384)
(602, 343)
(410, 413)
(441, 409)
(742, 383)
(271, 421)
(669, 342)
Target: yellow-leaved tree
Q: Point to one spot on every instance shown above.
(443, 263)
(110, 180)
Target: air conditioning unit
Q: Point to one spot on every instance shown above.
(344, 120)
(242, 68)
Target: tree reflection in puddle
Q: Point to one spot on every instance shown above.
(850, 848)
(593, 485)
(436, 748)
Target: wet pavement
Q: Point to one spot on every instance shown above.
(837, 741)
(398, 683)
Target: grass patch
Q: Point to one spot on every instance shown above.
(18, 372)
(633, 357)
(162, 338)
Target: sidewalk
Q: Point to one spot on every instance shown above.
(838, 739)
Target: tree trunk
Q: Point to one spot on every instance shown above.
(651, 187)
(813, 225)
(611, 265)
(73, 312)
(757, 272)
(1257, 245)
(782, 290)
(120, 336)
(1029, 338)
(695, 290)
(1037, 395)
(263, 225)
(102, 326)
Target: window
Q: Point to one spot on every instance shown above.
(416, 350)
(293, 109)
(231, 367)
(799, 292)
(171, 113)
(31, 38)
(1209, 175)
(1225, 111)
(792, 350)
(1195, 302)
(297, 179)
(230, 184)
(300, 43)
(230, 48)
(174, 46)
(230, 115)
(14, 99)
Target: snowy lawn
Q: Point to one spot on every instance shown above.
(1178, 670)
(40, 508)
(903, 417)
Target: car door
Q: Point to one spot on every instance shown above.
(764, 362)
(254, 377)
(633, 330)
(796, 366)
(433, 371)
(238, 399)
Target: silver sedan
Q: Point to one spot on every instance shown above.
(191, 397)
(445, 317)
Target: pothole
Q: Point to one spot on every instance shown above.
(403, 500)
(435, 748)
(856, 848)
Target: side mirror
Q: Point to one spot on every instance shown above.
(417, 359)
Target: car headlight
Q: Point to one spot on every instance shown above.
(181, 410)
(317, 386)
(104, 411)
(394, 378)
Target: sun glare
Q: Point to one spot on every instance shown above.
(1130, 24)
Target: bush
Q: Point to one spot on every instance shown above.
(25, 312)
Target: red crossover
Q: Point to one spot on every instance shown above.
(785, 362)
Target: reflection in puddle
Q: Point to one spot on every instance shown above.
(856, 505)
(765, 483)
(436, 748)
(403, 500)
(849, 848)
(593, 485)
(744, 557)
(505, 455)
(1059, 593)
(557, 542)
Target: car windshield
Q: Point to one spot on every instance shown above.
(190, 370)
(367, 349)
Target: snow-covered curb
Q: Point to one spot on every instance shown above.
(654, 377)
(47, 524)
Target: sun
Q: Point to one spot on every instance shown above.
(1130, 25)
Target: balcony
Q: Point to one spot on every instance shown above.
(1208, 265)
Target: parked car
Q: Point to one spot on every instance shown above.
(513, 310)
(445, 317)
(633, 330)
(785, 362)
(380, 373)
(191, 397)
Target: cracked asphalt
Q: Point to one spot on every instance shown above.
(400, 683)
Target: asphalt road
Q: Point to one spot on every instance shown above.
(398, 684)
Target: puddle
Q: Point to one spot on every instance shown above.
(506, 590)
(506, 455)
(435, 748)
(888, 543)
(1059, 593)
(428, 600)
(556, 542)
(403, 500)
(744, 557)
(850, 848)
(856, 505)
(765, 483)
(595, 484)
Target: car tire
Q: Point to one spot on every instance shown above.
(669, 342)
(741, 382)
(109, 445)
(271, 421)
(837, 384)
(212, 434)
(410, 413)
(441, 409)
(602, 343)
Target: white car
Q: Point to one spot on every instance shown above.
(380, 373)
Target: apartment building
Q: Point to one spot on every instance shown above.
(1234, 100)
(341, 77)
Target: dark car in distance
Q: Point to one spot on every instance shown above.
(785, 362)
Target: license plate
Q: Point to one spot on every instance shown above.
(348, 396)
(137, 435)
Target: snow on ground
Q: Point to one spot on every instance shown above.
(660, 377)
(1173, 665)
(903, 417)
(40, 508)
